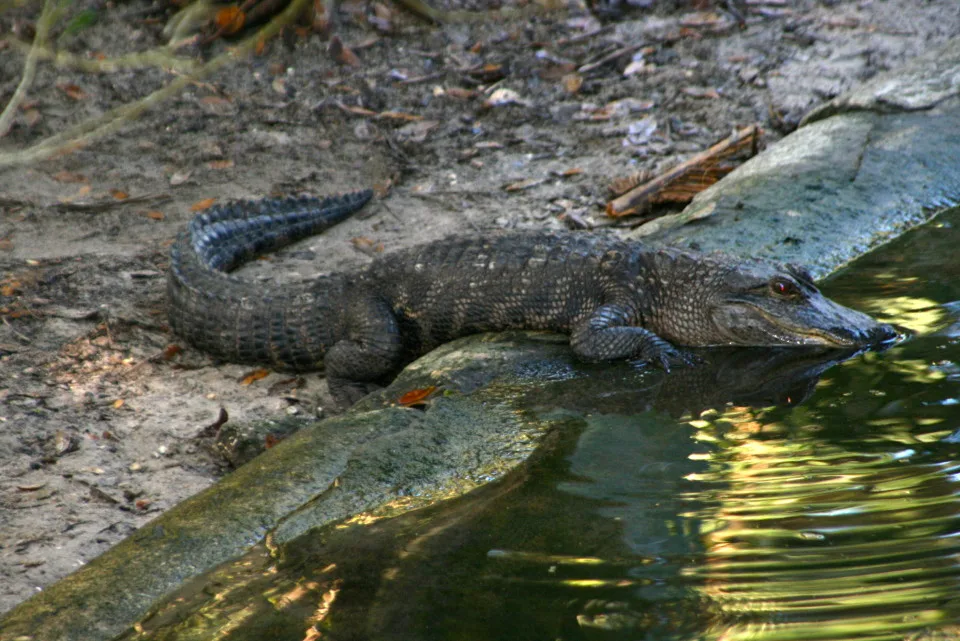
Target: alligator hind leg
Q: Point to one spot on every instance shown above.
(369, 353)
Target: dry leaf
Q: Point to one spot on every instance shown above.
(220, 164)
(251, 377)
(230, 19)
(72, 91)
(366, 245)
(201, 205)
(572, 82)
(342, 53)
(69, 177)
(462, 94)
(523, 184)
(117, 404)
(119, 194)
(31, 117)
(170, 351)
(502, 97)
(701, 92)
(417, 396)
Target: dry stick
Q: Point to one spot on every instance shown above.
(87, 132)
(159, 57)
(29, 67)
(639, 196)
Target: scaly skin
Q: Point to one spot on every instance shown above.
(615, 299)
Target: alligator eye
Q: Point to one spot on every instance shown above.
(783, 288)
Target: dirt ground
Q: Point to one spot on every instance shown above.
(516, 120)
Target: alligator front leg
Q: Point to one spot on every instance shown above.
(370, 351)
(608, 335)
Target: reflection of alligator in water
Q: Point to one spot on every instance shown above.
(751, 376)
(429, 575)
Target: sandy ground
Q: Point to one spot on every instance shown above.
(522, 122)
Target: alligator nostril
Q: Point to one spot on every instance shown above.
(884, 333)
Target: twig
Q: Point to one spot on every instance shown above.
(87, 132)
(610, 57)
(639, 197)
(29, 67)
(159, 57)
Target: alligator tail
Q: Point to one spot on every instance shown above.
(289, 326)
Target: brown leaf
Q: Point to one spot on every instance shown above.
(170, 351)
(10, 288)
(342, 53)
(117, 404)
(417, 396)
(31, 117)
(155, 215)
(250, 377)
(220, 164)
(359, 111)
(69, 177)
(230, 19)
(201, 205)
(399, 115)
(142, 504)
(701, 92)
(119, 194)
(72, 91)
(523, 184)
(462, 94)
(572, 82)
(367, 245)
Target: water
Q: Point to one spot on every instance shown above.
(834, 514)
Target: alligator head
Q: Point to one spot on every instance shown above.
(752, 302)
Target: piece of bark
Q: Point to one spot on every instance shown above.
(697, 169)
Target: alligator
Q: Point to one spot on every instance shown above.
(615, 299)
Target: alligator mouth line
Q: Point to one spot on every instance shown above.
(822, 336)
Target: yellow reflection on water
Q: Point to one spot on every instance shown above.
(811, 540)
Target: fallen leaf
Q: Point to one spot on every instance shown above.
(31, 117)
(523, 184)
(399, 115)
(250, 377)
(180, 177)
(155, 215)
(72, 91)
(220, 164)
(117, 404)
(502, 97)
(69, 177)
(462, 94)
(573, 171)
(142, 504)
(170, 351)
(119, 194)
(701, 92)
(417, 396)
(201, 205)
(572, 82)
(342, 53)
(367, 245)
(230, 19)
(417, 131)
(359, 111)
